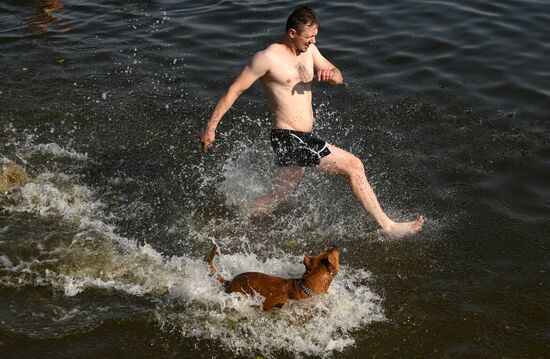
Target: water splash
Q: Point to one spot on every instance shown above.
(92, 256)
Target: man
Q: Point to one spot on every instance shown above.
(286, 71)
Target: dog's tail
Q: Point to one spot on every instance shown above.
(215, 273)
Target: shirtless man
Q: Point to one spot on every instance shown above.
(286, 71)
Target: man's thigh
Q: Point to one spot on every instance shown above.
(339, 161)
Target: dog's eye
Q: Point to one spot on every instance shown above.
(325, 262)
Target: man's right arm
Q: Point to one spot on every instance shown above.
(257, 68)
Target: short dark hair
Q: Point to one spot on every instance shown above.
(301, 16)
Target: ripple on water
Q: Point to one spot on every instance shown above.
(114, 96)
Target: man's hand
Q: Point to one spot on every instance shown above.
(331, 75)
(207, 138)
(325, 75)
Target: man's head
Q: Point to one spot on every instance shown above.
(301, 17)
(302, 27)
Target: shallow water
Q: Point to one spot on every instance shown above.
(102, 252)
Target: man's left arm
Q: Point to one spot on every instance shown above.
(326, 71)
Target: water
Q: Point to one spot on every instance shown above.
(102, 252)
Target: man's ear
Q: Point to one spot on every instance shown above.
(307, 262)
(292, 33)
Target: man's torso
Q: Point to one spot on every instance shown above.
(288, 88)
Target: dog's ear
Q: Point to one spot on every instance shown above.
(307, 262)
(332, 262)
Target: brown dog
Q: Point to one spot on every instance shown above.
(11, 176)
(320, 270)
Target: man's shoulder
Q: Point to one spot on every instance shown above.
(270, 52)
(313, 49)
(268, 56)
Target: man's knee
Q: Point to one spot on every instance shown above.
(355, 166)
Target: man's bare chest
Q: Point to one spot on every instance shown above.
(293, 73)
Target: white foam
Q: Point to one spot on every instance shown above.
(72, 201)
(309, 327)
(58, 151)
(319, 326)
(5, 261)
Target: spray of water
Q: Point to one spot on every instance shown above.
(87, 252)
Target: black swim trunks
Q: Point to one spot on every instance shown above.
(294, 148)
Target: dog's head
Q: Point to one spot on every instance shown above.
(323, 267)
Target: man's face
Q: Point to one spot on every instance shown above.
(306, 37)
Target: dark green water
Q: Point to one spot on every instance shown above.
(102, 252)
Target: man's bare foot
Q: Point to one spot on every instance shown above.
(399, 230)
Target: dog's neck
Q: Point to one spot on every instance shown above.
(305, 288)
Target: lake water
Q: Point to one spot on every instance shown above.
(102, 253)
